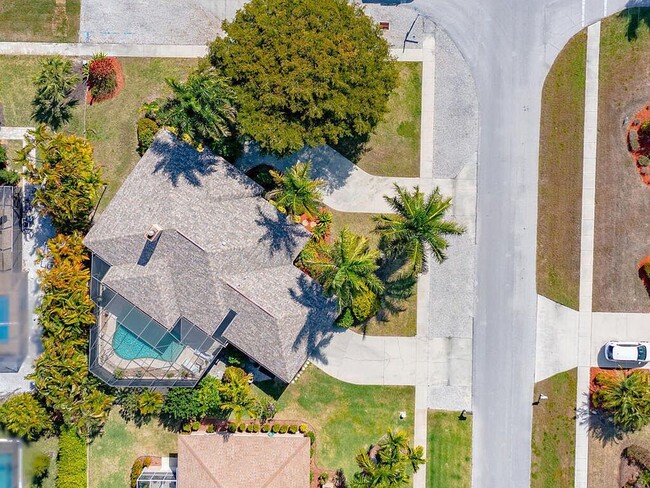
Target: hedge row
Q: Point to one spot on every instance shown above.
(71, 461)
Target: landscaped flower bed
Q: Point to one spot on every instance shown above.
(638, 142)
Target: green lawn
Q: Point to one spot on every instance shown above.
(39, 20)
(560, 175)
(401, 324)
(449, 450)
(113, 453)
(110, 125)
(553, 441)
(394, 147)
(47, 446)
(345, 417)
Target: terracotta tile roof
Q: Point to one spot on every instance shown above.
(243, 461)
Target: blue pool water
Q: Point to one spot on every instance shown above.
(4, 321)
(129, 346)
(6, 470)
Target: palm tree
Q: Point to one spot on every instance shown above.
(418, 225)
(150, 402)
(240, 403)
(54, 85)
(201, 109)
(296, 192)
(625, 396)
(346, 268)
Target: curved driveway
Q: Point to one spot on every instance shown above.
(509, 45)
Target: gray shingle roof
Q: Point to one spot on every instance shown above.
(222, 247)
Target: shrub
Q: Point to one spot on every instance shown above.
(24, 416)
(312, 436)
(210, 429)
(346, 319)
(276, 428)
(249, 428)
(256, 427)
(293, 429)
(633, 138)
(40, 467)
(261, 175)
(646, 269)
(644, 160)
(303, 428)
(3, 156)
(71, 461)
(639, 454)
(365, 305)
(102, 78)
(241, 427)
(232, 428)
(284, 428)
(196, 425)
(146, 130)
(136, 471)
(9, 177)
(266, 428)
(187, 428)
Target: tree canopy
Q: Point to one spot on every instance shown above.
(54, 86)
(305, 71)
(625, 397)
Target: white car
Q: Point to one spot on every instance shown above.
(626, 351)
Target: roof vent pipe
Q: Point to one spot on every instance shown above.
(153, 233)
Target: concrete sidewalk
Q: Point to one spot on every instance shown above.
(88, 49)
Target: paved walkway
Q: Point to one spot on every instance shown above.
(587, 253)
(88, 49)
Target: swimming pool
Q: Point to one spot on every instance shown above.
(129, 346)
(4, 321)
(6, 470)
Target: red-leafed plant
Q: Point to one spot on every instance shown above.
(102, 78)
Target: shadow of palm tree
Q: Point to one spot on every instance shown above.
(637, 14)
(599, 425)
(280, 234)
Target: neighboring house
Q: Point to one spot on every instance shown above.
(243, 461)
(188, 258)
(233, 461)
(14, 319)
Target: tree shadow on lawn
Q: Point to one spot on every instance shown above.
(599, 426)
(636, 13)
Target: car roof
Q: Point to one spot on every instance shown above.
(625, 351)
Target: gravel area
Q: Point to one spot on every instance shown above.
(146, 22)
(455, 135)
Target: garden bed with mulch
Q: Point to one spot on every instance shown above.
(622, 199)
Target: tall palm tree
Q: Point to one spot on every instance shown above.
(296, 192)
(54, 84)
(150, 402)
(346, 268)
(625, 396)
(417, 225)
(201, 109)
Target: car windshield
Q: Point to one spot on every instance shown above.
(643, 352)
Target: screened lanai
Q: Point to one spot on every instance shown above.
(129, 348)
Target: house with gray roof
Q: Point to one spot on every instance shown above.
(189, 258)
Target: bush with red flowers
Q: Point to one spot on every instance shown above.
(102, 78)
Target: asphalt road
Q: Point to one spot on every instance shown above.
(509, 45)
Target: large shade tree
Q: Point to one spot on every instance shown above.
(55, 83)
(417, 225)
(296, 193)
(305, 71)
(625, 397)
(345, 268)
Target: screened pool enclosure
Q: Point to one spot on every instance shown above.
(129, 348)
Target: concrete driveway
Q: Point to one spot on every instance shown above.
(627, 327)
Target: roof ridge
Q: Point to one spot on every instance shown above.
(282, 466)
(198, 458)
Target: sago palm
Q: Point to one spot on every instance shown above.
(418, 225)
(201, 109)
(346, 268)
(54, 85)
(296, 192)
(626, 397)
